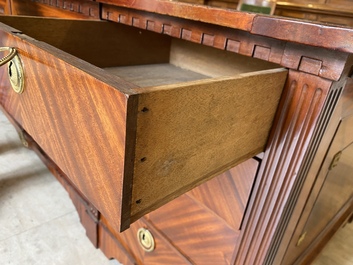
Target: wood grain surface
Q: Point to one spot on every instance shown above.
(315, 34)
(185, 133)
(194, 131)
(301, 105)
(219, 16)
(90, 142)
(315, 184)
(113, 45)
(227, 195)
(77, 118)
(164, 252)
(204, 224)
(78, 9)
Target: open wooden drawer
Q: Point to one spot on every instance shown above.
(136, 118)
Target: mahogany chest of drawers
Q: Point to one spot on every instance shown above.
(186, 134)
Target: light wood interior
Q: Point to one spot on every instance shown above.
(194, 131)
(189, 62)
(155, 74)
(139, 56)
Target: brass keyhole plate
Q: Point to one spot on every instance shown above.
(16, 74)
(145, 239)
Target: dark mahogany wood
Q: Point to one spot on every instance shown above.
(164, 252)
(314, 184)
(301, 106)
(79, 9)
(227, 195)
(308, 255)
(320, 61)
(205, 223)
(88, 214)
(193, 12)
(112, 248)
(61, 120)
(211, 35)
(314, 34)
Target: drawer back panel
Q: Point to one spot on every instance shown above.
(103, 44)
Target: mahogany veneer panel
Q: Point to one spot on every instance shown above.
(197, 232)
(60, 117)
(130, 150)
(204, 224)
(227, 195)
(164, 252)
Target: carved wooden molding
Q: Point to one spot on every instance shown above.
(211, 35)
(336, 107)
(87, 8)
(301, 105)
(320, 62)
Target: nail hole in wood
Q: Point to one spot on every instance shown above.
(145, 109)
(143, 159)
(138, 201)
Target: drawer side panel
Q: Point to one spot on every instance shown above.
(191, 132)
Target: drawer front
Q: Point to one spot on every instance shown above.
(77, 117)
(205, 222)
(228, 194)
(162, 253)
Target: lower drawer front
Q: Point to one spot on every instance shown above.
(205, 222)
(200, 227)
(162, 253)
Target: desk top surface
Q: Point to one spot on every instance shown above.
(298, 31)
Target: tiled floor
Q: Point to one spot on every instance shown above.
(39, 224)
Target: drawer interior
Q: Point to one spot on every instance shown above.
(142, 57)
(186, 112)
(189, 62)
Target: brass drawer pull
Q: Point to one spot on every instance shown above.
(15, 69)
(145, 239)
(7, 58)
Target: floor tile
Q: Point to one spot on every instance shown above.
(58, 242)
(25, 186)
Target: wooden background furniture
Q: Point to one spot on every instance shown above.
(195, 147)
(339, 12)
